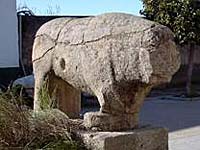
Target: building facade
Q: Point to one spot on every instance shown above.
(9, 54)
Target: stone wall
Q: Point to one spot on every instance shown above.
(30, 25)
(180, 77)
(184, 54)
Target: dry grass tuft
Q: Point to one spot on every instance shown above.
(21, 128)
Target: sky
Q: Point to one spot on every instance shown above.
(81, 7)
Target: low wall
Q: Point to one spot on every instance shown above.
(184, 55)
(30, 25)
(180, 77)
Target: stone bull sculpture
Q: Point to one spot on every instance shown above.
(116, 57)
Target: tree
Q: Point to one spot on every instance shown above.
(183, 18)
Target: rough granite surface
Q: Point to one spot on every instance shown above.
(116, 57)
(139, 139)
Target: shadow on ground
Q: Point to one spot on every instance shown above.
(165, 108)
(172, 114)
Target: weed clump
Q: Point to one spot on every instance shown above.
(21, 128)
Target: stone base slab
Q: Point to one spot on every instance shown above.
(139, 139)
(107, 122)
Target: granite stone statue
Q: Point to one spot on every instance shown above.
(116, 57)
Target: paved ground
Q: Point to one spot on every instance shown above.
(182, 118)
(168, 108)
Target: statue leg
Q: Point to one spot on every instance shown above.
(39, 81)
(119, 109)
(41, 69)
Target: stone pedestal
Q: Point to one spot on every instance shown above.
(108, 122)
(67, 97)
(138, 139)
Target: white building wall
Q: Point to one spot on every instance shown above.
(9, 56)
